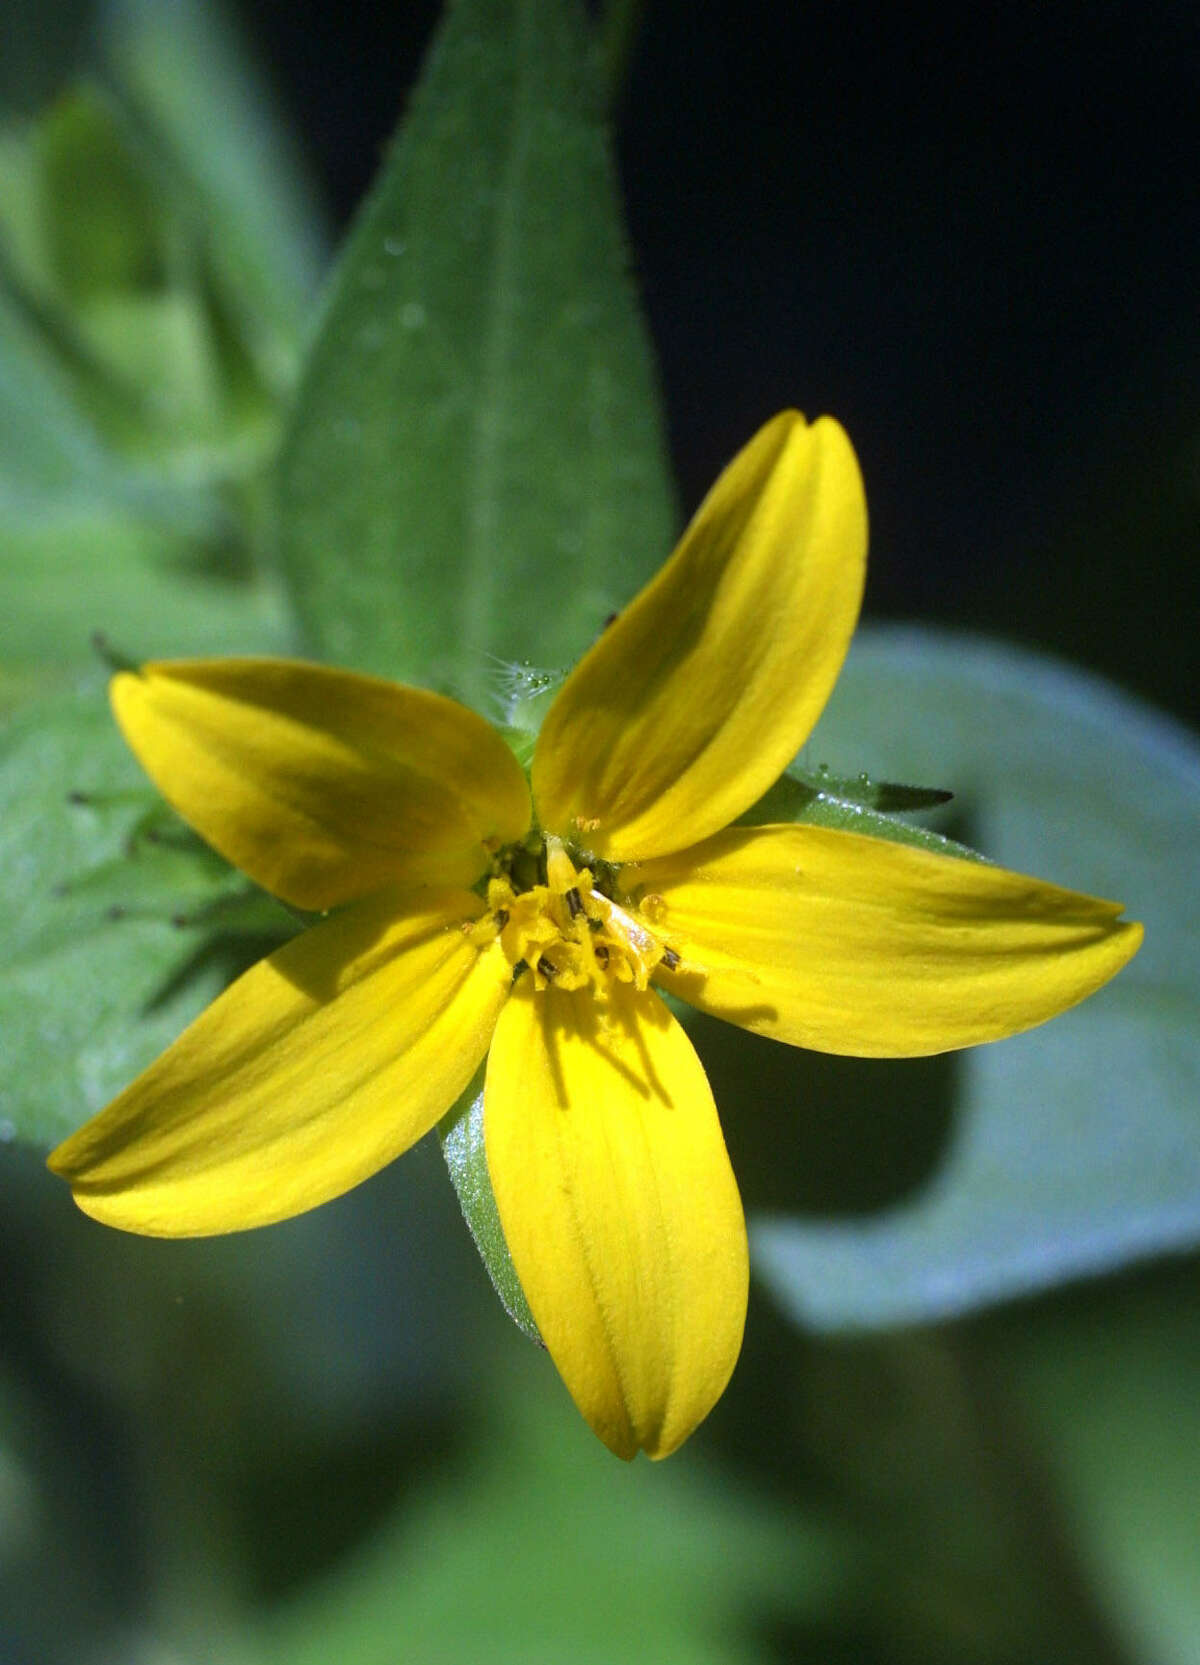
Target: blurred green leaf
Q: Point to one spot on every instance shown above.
(1075, 1148)
(50, 452)
(110, 262)
(100, 220)
(543, 1548)
(155, 282)
(476, 472)
(910, 1443)
(228, 162)
(101, 968)
(1108, 1387)
(179, 1404)
(43, 45)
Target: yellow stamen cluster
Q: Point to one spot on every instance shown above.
(568, 933)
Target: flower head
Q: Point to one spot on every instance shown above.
(475, 914)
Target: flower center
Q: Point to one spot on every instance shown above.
(559, 923)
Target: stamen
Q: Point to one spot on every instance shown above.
(652, 907)
(566, 929)
(560, 869)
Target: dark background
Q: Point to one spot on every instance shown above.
(972, 235)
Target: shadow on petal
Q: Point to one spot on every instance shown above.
(227, 953)
(608, 1030)
(347, 937)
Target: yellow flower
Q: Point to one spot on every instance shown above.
(476, 911)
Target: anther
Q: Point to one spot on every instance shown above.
(501, 918)
(601, 953)
(574, 902)
(653, 907)
(670, 959)
(548, 970)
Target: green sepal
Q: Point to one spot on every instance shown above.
(889, 797)
(111, 656)
(855, 804)
(461, 1135)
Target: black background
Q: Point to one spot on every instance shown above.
(970, 234)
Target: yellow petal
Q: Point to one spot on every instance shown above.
(320, 784)
(309, 1074)
(849, 944)
(619, 1208)
(693, 700)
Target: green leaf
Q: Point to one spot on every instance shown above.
(154, 592)
(112, 940)
(461, 1135)
(1075, 1148)
(476, 470)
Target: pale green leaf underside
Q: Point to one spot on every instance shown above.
(1075, 1148)
(475, 475)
